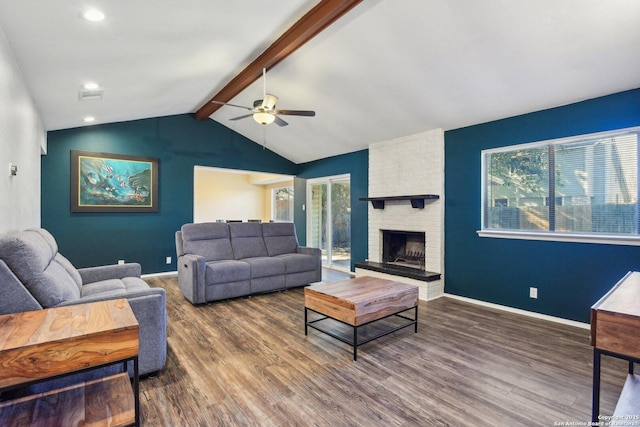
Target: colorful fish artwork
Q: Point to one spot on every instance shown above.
(114, 182)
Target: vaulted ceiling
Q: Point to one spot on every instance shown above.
(384, 70)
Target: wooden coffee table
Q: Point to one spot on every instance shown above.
(360, 302)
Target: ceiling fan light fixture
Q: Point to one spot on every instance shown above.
(91, 86)
(264, 118)
(264, 110)
(93, 15)
(269, 102)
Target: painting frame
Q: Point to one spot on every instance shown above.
(108, 182)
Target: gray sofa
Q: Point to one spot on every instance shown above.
(219, 260)
(34, 275)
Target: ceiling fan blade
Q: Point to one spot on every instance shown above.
(232, 105)
(296, 113)
(279, 121)
(242, 117)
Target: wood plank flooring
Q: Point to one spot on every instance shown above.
(247, 362)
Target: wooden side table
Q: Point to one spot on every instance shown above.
(45, 344)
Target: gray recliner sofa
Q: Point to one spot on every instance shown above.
(34, 275)
(219, 260)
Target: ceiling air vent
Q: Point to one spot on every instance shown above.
(87, 95)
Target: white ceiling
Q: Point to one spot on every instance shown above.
(386, 69)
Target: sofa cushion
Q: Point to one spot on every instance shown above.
(209, 240)
(265, 267)
(69, 268)
(280, 238)
(246, 240)
(32, 255)
(296, 263)
(114, 287)
(225, 271)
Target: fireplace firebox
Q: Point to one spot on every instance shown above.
(404, 248)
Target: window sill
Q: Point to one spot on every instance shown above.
(562, 237)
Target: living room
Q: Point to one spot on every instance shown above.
(569, 276)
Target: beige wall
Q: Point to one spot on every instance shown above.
(233, 195)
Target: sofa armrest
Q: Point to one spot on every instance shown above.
(309, 251)
(317, 254)
(191, 270)
(15, 297)
(115, 295)
(107, 272)
(150, 310)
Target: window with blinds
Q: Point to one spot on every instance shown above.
(582, 185)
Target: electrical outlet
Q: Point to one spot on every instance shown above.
(168, 260)
(120, 261)
(533, 292)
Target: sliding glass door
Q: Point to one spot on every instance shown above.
(340, 196)
(329, 219)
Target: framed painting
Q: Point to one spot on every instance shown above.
(103, 182)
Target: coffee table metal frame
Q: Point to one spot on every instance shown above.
(354, 342)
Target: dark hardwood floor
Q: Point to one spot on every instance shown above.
(247, 362)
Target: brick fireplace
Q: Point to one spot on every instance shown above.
(407, 166)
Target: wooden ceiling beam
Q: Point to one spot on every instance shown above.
(312, 23)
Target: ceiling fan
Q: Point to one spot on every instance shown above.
(264, 110)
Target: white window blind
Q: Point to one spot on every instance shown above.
(583, 185)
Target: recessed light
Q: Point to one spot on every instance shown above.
(89, 119)
(93, 15)
(91, 86)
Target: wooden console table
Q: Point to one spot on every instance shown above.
(45, 344)
(615, 331)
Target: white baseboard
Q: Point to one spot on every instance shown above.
(522, 312)
(164, 273)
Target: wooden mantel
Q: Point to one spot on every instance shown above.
(417, 201)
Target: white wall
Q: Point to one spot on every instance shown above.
(22, 141)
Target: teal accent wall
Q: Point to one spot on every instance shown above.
(356, 164)
(570, 277)
(180, 142)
